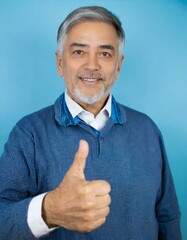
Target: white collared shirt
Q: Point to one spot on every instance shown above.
(97, 122)
(34, 218)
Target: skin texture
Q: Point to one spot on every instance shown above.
(90, 65)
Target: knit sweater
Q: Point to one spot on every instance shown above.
(128, 152)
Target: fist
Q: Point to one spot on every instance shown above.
(77, 204)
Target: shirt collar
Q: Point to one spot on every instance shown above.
(75, 109)
(64, 117)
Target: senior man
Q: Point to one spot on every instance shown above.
(87, 167)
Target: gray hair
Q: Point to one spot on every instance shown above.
(91, 13)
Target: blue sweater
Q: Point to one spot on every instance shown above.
(128, 153)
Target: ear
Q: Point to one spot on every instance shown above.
(59, 64)
(120, 61)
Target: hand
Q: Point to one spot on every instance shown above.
(77, 204)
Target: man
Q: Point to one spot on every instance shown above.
(87, 167)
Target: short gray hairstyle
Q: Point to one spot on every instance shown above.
(90, 13)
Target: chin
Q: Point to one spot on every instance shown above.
(90, 99)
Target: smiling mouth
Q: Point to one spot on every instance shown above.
(90, 77)
(91, 80)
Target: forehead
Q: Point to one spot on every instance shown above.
(93, 33)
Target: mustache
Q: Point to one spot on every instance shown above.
(91, 74)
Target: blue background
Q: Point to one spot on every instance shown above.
(153, 78)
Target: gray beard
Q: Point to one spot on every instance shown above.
(90, 100)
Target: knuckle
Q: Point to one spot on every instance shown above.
(107, 211)
(89, 205)
(86, 203)
(89, 217)
(109, 199)
(105, 185)
(85, 190)
(86, 199)
(108, 186)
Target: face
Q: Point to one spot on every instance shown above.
(90, 63)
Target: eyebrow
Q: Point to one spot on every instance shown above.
(105, 46)
(110, 47)
(78, 45)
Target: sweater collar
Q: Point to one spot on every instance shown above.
(64, 117)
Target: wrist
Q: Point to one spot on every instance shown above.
(47, 206)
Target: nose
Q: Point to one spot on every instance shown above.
(92, 63)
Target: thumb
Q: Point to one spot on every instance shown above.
(79, 162)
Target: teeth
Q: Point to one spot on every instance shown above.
(90, 80)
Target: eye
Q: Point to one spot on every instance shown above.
(106, 54)
(78, 52)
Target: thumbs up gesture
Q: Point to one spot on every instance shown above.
(77, 204)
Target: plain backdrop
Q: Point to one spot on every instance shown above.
(153, 79)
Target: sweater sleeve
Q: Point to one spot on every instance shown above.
(167, 208)
(18, 185)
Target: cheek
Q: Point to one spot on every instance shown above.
(112, 75)
(67, 73)
(111, 69)
(70, 78)
(71, 71)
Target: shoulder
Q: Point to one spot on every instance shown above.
(42, 115)
(35, 122)
(138, 120)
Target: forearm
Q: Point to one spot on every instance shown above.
(17, 185)
(13, 220)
